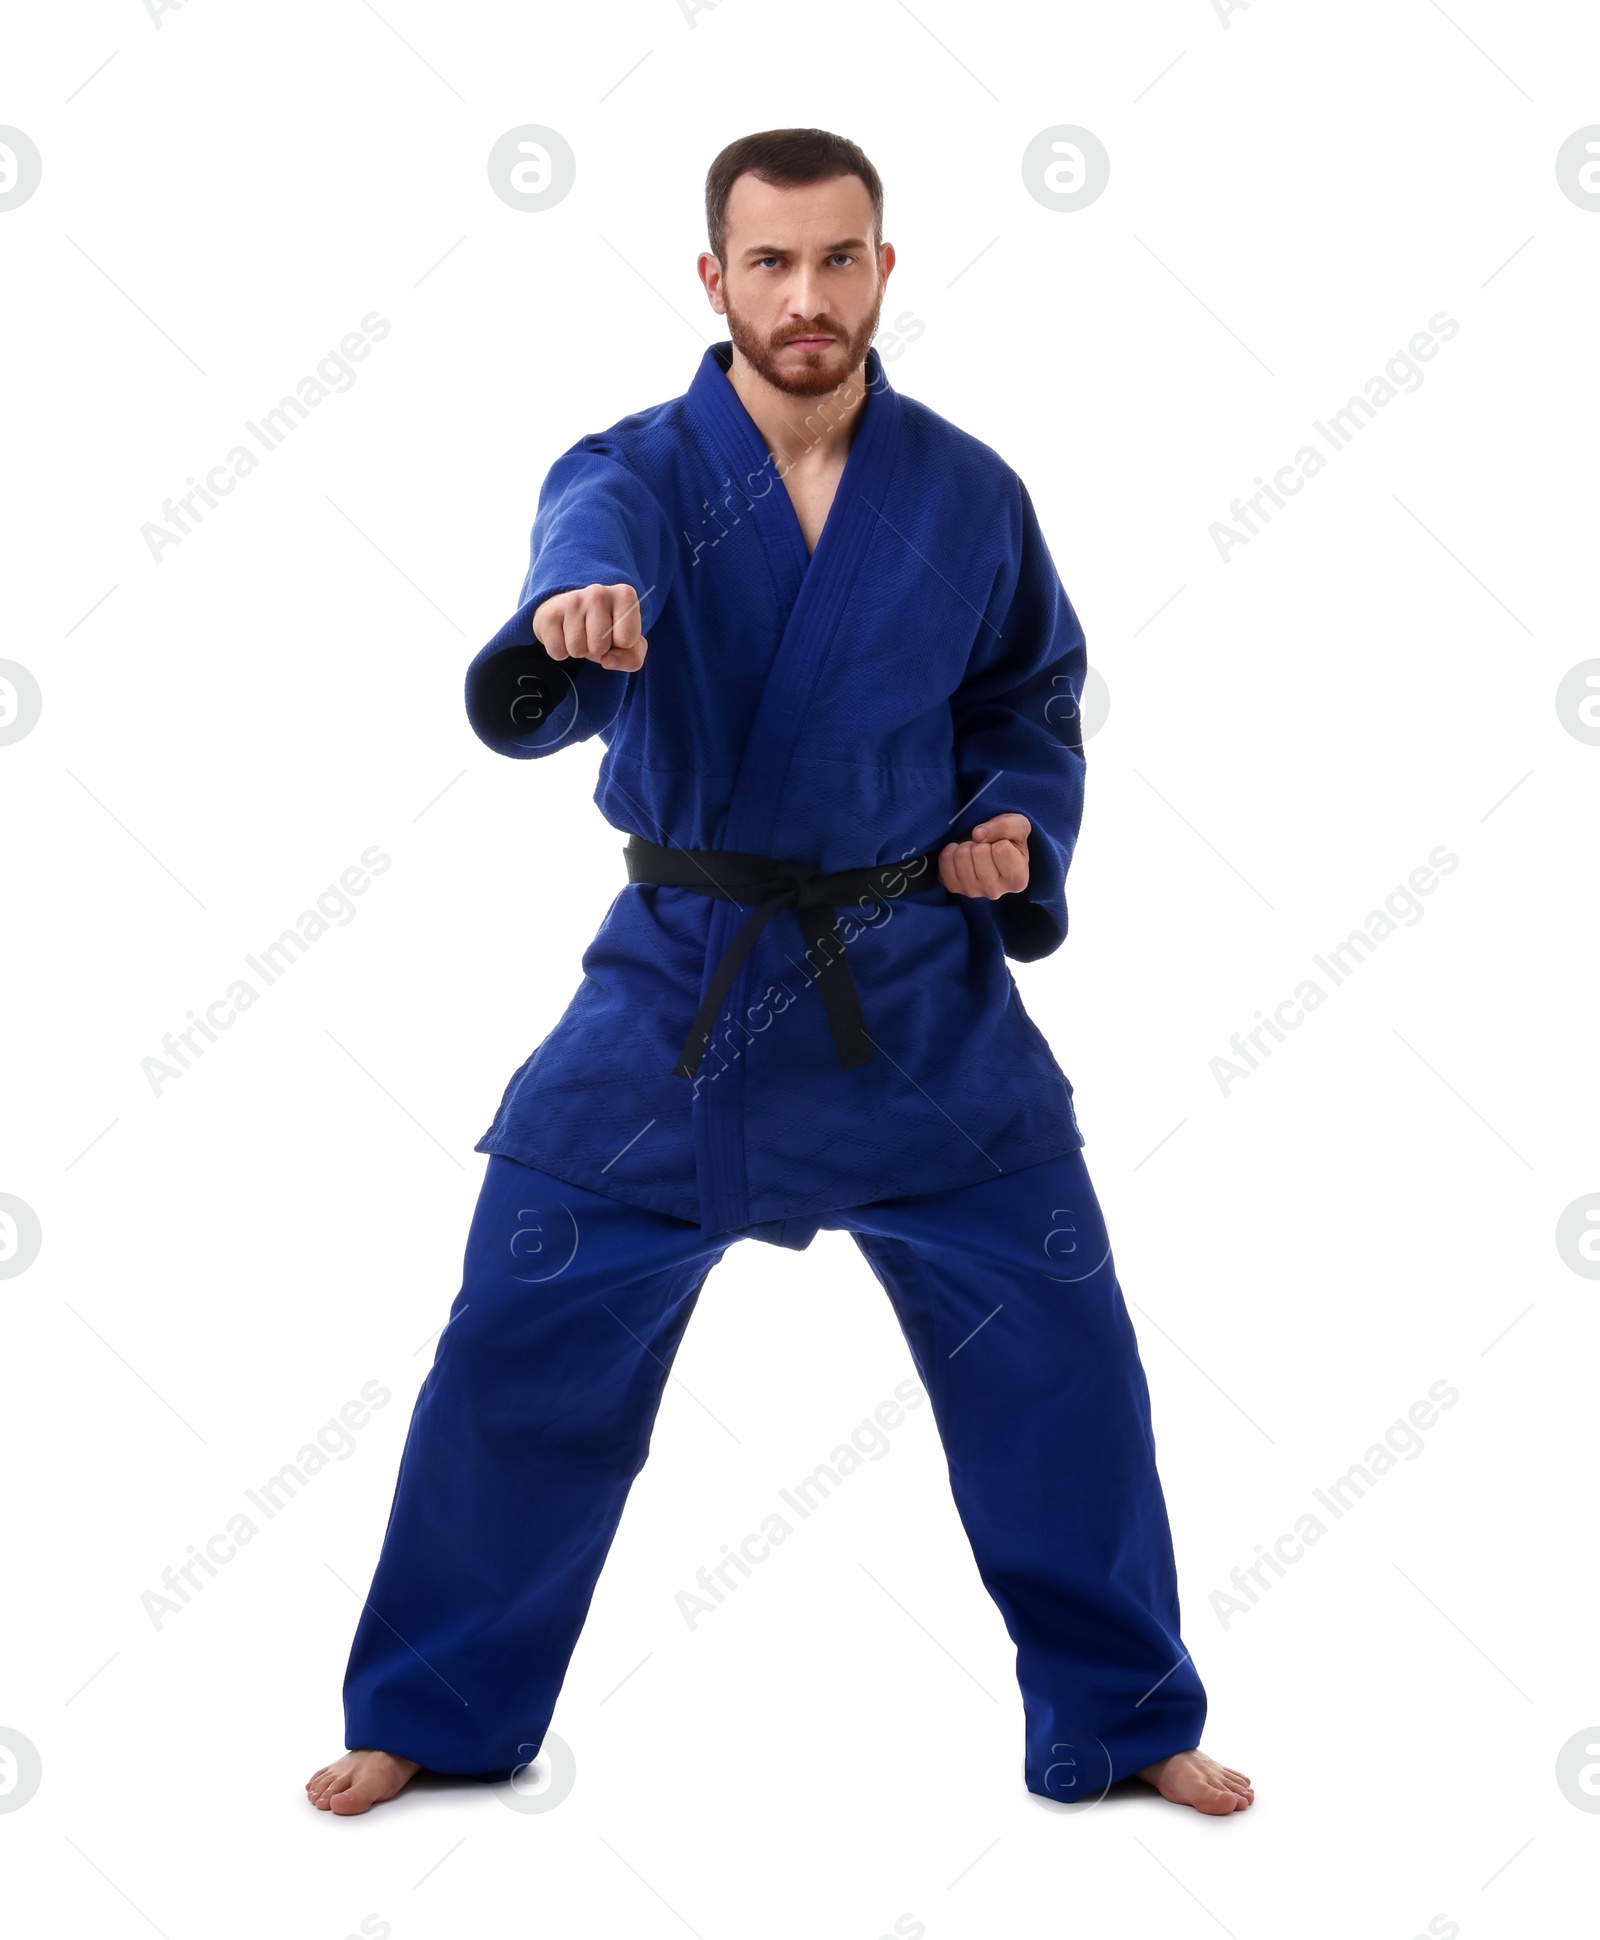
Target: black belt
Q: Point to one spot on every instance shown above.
(773, 885)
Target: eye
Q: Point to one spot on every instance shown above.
(842, 256)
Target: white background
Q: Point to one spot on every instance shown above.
(1293, 194)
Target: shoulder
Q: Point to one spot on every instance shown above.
(638, 442)
(972, 474)
(975, 463)
(973, 471)
(627, 463)
(635, 460)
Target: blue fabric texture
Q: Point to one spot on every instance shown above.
(539, 1409)
(917, 674)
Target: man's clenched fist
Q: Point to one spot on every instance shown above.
(995, 861)
(592, 623)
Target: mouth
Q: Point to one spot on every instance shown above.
(807, 343)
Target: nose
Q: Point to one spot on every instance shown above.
(806, 301)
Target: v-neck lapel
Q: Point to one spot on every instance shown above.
(732, 429)
(813, 587)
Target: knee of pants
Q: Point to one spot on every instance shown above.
(569, 1385)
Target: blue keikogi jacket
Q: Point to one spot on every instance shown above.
(917, 674)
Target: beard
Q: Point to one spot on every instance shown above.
(818, 371)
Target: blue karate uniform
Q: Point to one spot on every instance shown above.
(919, 674)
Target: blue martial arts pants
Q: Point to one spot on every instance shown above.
(537, 1414)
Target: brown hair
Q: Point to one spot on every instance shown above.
(786, 158)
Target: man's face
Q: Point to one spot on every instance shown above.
(802, 286)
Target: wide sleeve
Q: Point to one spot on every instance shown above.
(597, 523)
(1018, 733)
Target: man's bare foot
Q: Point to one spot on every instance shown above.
(1191, 1778)
(358, 1781)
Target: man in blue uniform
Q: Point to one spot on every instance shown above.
(819, 631)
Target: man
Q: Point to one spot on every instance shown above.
(796, 1015)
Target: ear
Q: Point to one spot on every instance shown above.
(710, 272)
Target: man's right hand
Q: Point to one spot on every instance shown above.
(592, 623)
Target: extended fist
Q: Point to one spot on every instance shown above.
(995, 861)
(592, 623)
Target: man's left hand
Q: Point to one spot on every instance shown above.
(993, 863)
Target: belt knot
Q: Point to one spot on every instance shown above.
(773, 883)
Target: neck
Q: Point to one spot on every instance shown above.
(818, 428)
